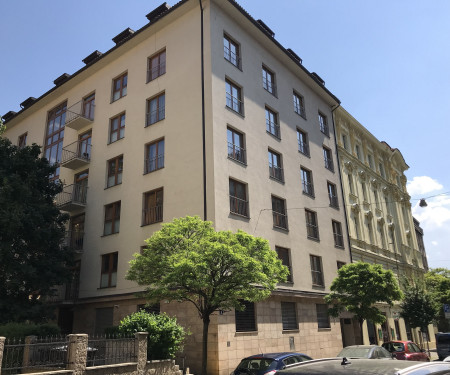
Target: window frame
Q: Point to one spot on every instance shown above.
(332, 194)
(268, 80)
(122, 89)
(113, 262)
(89, 106)
(120, 131)
(284, 254)
(323, 124)
(159, 158)
(289, 312)
(322, 315)
(299, 104)
(22, 140)
(280, 219)
(240, 204)
(236, 152)
(317, 272)
(160, 67)
(312, 225)
(248, 315)
(160, 111)
(275, 169)
(228, 53)
(307, 182)
(56, 116)
(118, 171)
(303, 142)
(114, 218)
(235, 103)
(272, 122)
(158, 214)
(337, 234)
(328, 158)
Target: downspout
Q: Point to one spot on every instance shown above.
(203, 111)
(342, 187)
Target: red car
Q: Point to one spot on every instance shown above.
(406, 350)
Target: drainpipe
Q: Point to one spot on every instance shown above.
(205, 215)
(340, 178)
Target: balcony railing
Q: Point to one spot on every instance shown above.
(156, 115)
(269, 86)
(156, 71)
(303, 148)
(324, 128)
(280, 220)
(273, 128)
(276, 172)
(72, 197)
(74, 240)
(333, 201)
(329, 164)
(76, 155)
(231, 57)
(308, 188)
(79, 115)
(234, 103)
(312, 231)
(338, 240)
(152, 215)
(154, 164)
(237, 153)
(238, 206)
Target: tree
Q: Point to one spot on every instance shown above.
(437, 282)
(187, 260)
(32, 259)
(359, 287)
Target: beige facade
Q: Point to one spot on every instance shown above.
(137, 160)
(378, 207)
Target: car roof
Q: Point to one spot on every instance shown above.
(399, 341)
(280, 355)
(364, 367)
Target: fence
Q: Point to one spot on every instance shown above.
(79, 354)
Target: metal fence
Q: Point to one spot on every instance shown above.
(109, 350)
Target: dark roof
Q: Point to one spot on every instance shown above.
(157, 12)
(27, 102)
(123, 36)
(92, 57)
(61, 79)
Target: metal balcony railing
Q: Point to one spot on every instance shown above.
(79, 115)
(74, 240)
(308, 188)
(269, 86)
(156, 115)
(234, 103)
(76, 154)
(280, 220)
(153, 164)
(338, 240)
(333, 201)
(231, 57)
(152, 215)
(156, 71)
(273, 128)
(329, 164)
(238, 206)
(72, 197)
(312, 231)
(237, 153)
(276, 172)
(303, 148)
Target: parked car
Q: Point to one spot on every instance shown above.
(268, 364)
(365, 351)
(443, 345)
(361, 366)
(406, 350)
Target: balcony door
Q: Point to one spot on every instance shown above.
(80, 186)
(84, 145)
(77, 232)
(89, 106)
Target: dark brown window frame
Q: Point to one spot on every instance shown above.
(307, 181)
(119, 127)
(272, 122)
(113, 218)
(275, 171)
(303, 145)
(337, 233)
(323, 319)
(299, 108)
(236, 152)
(328, 158)
(312, 224)
(235, 103)
(238, 205)
(245, 320)
(269, 84)
(152, 214)
(332, 194)
(317, 274)
(122, 89)
(117, 171)
(323, 124)
(284, 254)
(113, 262)
(159, 114)
(159, 158)
(58, 112)
(280, 219)
(289, 317)
(22, 140)
(160, 68)
(233, 58)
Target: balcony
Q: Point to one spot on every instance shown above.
(280, 220)
(308, 188)
(329, 164)
(74, 241)
(333, 201)
(234, 103)
(72, 198)
(238, 206)
(152, 215)
(273, 128)
(236, 153)
(276, 172)
(76, 155)
(79, 115)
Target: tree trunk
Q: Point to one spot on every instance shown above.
(361, 333)
(205, 344)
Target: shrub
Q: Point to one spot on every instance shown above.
(165, 335)
(21, 330)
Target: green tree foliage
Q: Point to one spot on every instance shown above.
(187, 260)
(31, 230)
(417, 305)
(21, 330)
(437, 282)
(357, 289)
(165, 335)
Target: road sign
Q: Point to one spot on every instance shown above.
(447, 311)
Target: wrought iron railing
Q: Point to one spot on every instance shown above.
(338, 240)
(273, 128)
(153, 164)
(78, 110)
(231, 57)
(74, 240)
(269, 86)
(276, 172)
(76, 150)
(237, 153)
(75, 193)
(280, 220)
(308, 188)
(238, 206)
(234, 103)
(312, 231)
(156, 71)
(303, 148)
(329, 164)
(333, 201)
(108, 350)
(152, 215)
(156, 115)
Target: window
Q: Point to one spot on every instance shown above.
(382, 235)
(272, 126)
(381, 167)
(234, 97)
(109, 270)
(312, 227)
(275, 166)
(153, 207)
(307, 182)
(337, 233)
(103, 319)
(370, 161)
(332, 195)
(316, 270)
(323, 320)
(56, 121)
(356, 224)
(89, 106)
(279, 213)
(120, 87)
(299, 104)
(245, 320)
(22, 140)
(156, 109)
(328, 158)
(238, 198)
(340, 264)
(302, 140)
(364, 190)
(288, 316)
(117, 128)
(231, 51)
(268, 80)
(112, 218)
(154, 156)
(350, 183)
(358, 152)
(115, 169)
(377, 201)
(156, 66)
(323, 124)
(344, 141)
(370, 230)
(285, 258)
(236, 147)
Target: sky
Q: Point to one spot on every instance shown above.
(388, 61)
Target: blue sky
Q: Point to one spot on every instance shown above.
(386, 60)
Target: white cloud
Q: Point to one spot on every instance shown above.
(420, 185)
(434, 243)
(437, 213)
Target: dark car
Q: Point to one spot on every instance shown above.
(406, 350)
(360, 366)
(269, 364)
(365, 351)
(443, 345)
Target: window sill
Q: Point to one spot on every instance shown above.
(335, 207)
(327, 329)
(330, 169)
(238, 161)
(273, 93)
(317, 239)
(106, 287)
(110, 234)
(154, 79)
(113, 101)
(117, 140)
(109, 187)
(153, 123)
(273, 135)
(307, 155)
(235, 112)
(326, 134)
(246, 333)
(289, 331)
(155, 222)
(276, 179)
(239, 215)
(157, 169)
(321, 287)
(339, 247)
(281, 228)
(312, 196)
(236, 66)
(303, 116)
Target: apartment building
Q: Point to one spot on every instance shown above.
(199, 112)
(381, 227)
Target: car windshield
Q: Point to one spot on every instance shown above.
(394, 347)
(253, 365)
(354, 352)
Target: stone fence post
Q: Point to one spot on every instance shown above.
(28, 351)
(77, 353)
(141, 349)
(2, 348)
